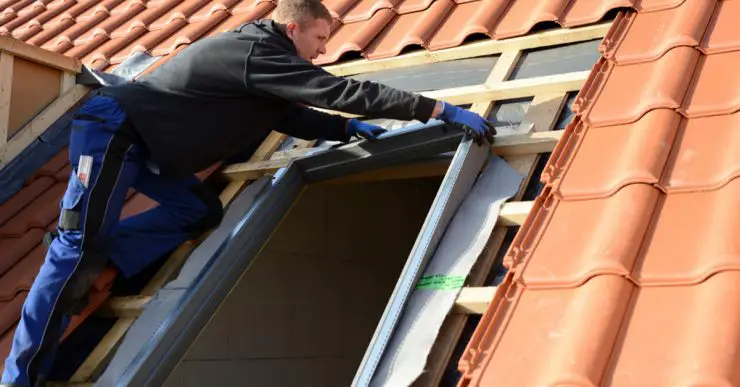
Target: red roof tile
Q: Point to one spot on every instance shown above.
(680, 26)
(697, 163)
(625, 272)
(611, 97)
(635, 153)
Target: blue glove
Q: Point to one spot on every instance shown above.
(474, 124)
(364, 130)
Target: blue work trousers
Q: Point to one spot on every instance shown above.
(90, 231)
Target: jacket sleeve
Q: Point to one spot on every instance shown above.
(282, 74)
(310, 124)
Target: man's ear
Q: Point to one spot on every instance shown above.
(290, 28)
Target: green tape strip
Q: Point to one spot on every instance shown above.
(441, 282)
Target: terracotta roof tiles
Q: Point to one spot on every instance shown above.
(103, 33)
(626, 270)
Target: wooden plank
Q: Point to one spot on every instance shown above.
(541, 117)
(474, 300)
(507, 145)
(265, 150)
(514, 213)
(472, 50)
(253, 171)
(526, 143)
(550, 84)
(518, 88)
(504, 67)
(6, 85)
(40, 123)
(39, 55)
(129, 306)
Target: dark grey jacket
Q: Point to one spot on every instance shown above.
(222, 94)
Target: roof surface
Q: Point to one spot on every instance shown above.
(102, 33)
(625, 273)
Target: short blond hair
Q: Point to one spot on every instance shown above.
(298, 10)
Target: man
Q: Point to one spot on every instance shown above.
(220, 96)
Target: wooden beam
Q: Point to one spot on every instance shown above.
(526, 143)
(506, 145)
(263, 152)
(474, 300)
(253, 171)
(471, 50)
(129, 306)
(6, 84)
(39, 55)
(518, 88)
(514, 213)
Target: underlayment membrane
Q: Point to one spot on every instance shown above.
(462, 243)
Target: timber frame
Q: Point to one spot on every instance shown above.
(522, 150)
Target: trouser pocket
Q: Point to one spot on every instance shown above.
(71, 207)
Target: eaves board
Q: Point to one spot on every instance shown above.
(163, 332)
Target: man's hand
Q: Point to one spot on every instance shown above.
(476, 125)
(364, 130)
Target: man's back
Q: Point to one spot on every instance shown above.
(195, 108)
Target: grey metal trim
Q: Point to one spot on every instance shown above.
(456, 184)
(163, 342)
(130, 69)
(395, 147)
(173, 335)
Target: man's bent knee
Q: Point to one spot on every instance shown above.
(214, 210)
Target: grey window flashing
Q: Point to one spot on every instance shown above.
(462, 173)
(163, 332)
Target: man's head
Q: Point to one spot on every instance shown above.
(307, 23)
